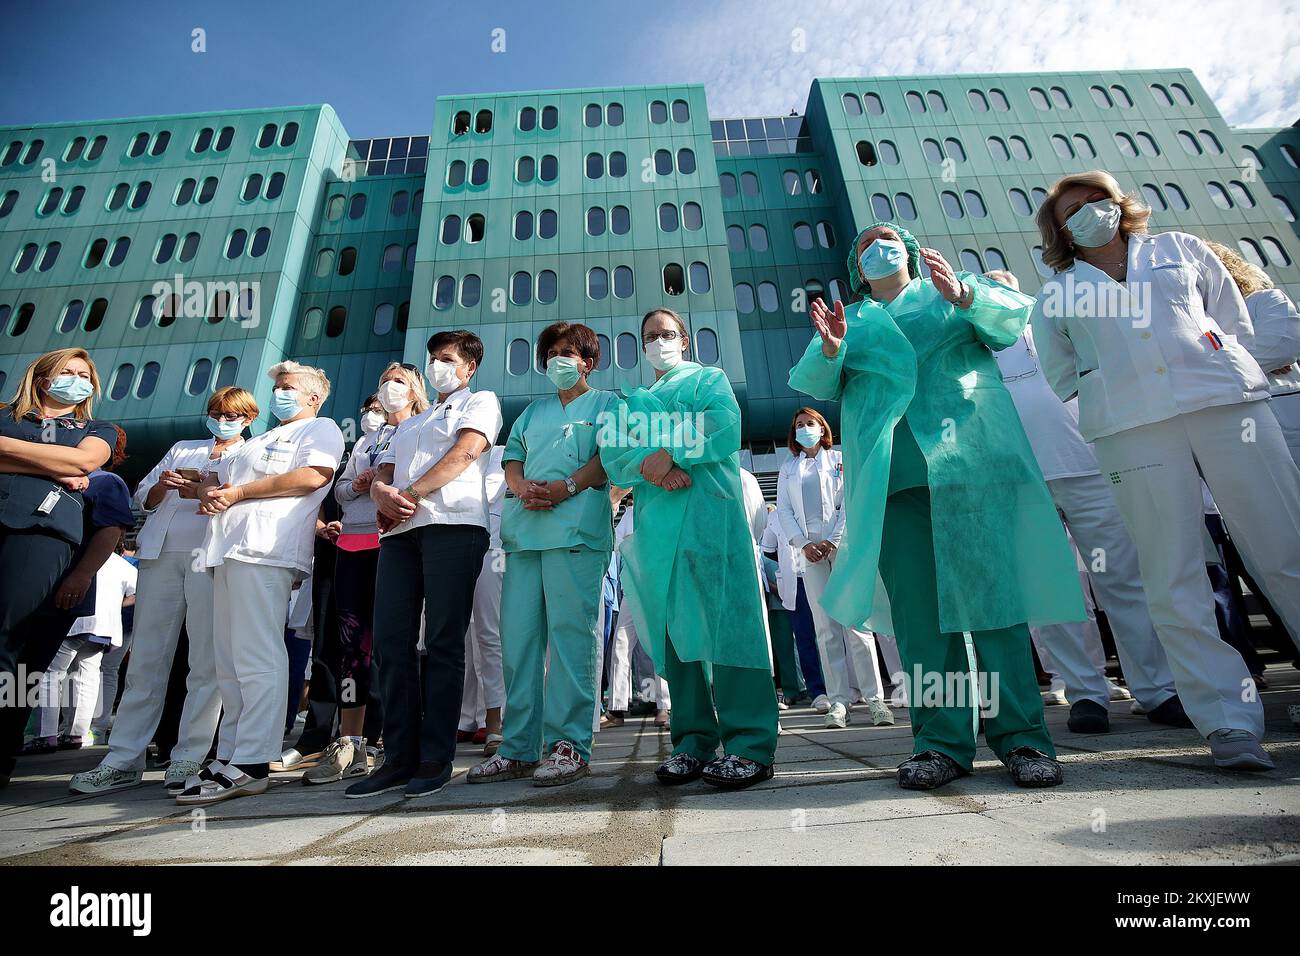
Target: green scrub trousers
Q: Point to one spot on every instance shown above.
(550, 600)
(745, 721)
(1014, 718)
(787, 670)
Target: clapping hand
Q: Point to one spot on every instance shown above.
(830, 324)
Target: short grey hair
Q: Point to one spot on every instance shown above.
(314, 378)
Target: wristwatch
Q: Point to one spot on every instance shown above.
(411, 493)
(571, 485)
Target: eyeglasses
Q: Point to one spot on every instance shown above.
(408, 366)
(668, 335)
(228, 416)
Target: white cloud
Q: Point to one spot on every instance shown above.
(743, 50)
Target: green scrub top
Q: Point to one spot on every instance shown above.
(689, 565)
(553, 441)
(919, 363)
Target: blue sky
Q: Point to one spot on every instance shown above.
(380, 64)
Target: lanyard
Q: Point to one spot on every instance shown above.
(381, 444)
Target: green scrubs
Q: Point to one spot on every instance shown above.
(934, 450)
(690, 564)
(550, 595)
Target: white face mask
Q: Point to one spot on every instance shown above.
(1094, 224)
(371, 421)
(443, 377)
(664, 355)
(394, 396)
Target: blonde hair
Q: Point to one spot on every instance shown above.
(1058, 249)
(233, 400)
(314, 378)
(1249, 277)
(414, 380)
(27, 397)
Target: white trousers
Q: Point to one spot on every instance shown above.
(848, 655)
(624, 645)
(169, 591)
(485, 682)
(1153, 473)
(250, 604)
(77, 660)
(109, 669)
(1090, 512)
(1286, 408)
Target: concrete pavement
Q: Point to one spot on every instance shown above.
(1140, 795)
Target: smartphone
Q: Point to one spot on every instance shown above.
(190, 474)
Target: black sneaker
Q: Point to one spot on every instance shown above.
(429, 779)
(383, 780)
(680, 768)
(929, 770)
(731, 772)
(1033, 768)
(1088, 717)
(1170, 713)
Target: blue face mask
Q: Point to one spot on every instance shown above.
(224, 430)
(882, 258)
(285, 404)
(808, 435)
(70, 389)
(563, 371)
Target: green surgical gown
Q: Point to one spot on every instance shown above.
(690, 563)
(919, 363)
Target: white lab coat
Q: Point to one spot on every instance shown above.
(787, 561)
(1139, 353)
(789, 498)
(1277, 326)
(1051, 425)
(756, 512)
(196, 454)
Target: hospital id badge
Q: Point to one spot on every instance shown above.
(48, 504)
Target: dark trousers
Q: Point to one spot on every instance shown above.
(354, 598)
(1229, 608)
(805, 641)
(31, 566)
(431, 569)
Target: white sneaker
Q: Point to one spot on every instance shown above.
(822, 704)
(178, 771)
(1117, 692)
(1238, 750)
(881, 715)
(1054, 696)
(1136, 709)
(105, 779)
(838, 716)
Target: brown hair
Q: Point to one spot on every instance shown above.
(1058, 248)
(46, 367)
(828, 439)
(681, 324)
(233, 400)
(119, 449)
(581, 337)
(469, 345)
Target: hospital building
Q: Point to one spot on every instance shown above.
(193, 251)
